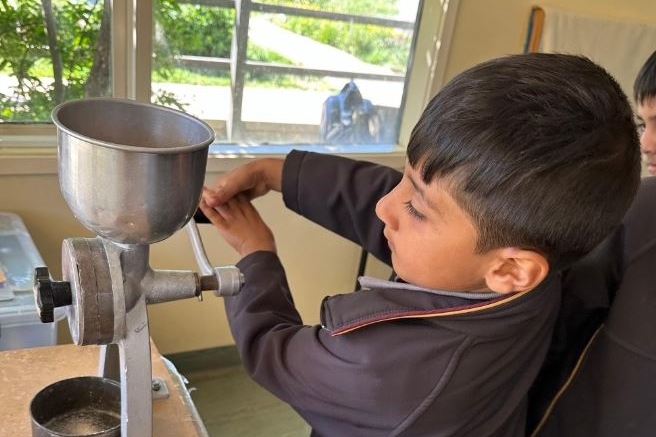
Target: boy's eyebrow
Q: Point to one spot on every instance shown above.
(420, 191)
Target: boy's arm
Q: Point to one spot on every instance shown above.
(319, 375)
(340, 194)
(337, 193)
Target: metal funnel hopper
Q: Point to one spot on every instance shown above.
(131, 172)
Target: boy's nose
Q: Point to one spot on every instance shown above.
(382, 209)
(648, 141)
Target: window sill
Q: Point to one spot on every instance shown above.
(42, 160)
(224, 157)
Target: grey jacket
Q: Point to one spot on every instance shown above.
(390, 360)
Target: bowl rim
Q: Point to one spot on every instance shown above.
(123, 147)
(42, 395)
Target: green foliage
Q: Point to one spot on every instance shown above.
(194, 29)
(180, 29)
(78, 25)
(255, 53)
(373, 44)
(24, 52)
(23, 43)
(381, 8)
(23, 36)
(185, 75)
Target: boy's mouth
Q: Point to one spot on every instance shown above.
(389, 241)
(651, 167)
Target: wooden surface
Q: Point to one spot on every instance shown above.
(24, 372)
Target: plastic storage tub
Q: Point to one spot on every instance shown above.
(20, 326)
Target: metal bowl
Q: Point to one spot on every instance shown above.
(82, 407)
(131, 172)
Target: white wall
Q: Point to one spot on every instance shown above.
(486, 29)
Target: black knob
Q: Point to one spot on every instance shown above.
(50, 294)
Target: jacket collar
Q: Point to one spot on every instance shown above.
(381, 301)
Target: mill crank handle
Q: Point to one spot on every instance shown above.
(224, 281)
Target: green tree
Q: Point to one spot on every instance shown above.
(58, 50)
(49, 49)
(24, 42)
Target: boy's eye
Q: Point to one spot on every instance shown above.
(641, 127)
(411, 209)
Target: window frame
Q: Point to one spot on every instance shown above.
(31, 149)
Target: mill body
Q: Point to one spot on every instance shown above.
(132, 173)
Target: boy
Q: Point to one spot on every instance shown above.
(597, 379)
(517, 168)
(644, 94)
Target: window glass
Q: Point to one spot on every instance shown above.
(285, 72)
(51, 51)
(265, 73)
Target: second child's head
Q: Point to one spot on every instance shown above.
(518, 166)
(644, 93)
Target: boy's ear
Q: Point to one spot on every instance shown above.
(516, 270)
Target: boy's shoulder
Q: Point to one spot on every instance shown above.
(388, 301)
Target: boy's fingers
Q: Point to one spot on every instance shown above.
(228, 186)
(212, 214)
(214, 196)
(220, 194)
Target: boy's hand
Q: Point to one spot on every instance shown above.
(240, 225)
(253, 180)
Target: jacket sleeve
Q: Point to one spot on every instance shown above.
(331, 381)
(275, 348)
(340, 194)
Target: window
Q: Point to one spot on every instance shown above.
(266, 75)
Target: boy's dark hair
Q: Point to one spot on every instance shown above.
(644, 86)
(540, 149)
